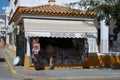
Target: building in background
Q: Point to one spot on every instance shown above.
(3, 28)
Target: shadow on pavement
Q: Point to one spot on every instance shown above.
(113, 68)
(27, 79)
(2, 60)
(38, 69)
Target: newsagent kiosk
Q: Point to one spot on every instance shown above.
(62, 27)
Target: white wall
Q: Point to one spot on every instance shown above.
(104, 35)
(31, 3)
(43, 2)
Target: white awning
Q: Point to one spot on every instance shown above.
(59, 28)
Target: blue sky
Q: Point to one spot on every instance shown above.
(6, 3)
(3, 3)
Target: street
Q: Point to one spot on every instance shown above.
(60, 74)
(5, 73)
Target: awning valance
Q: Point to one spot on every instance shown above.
(61, 34)
(59, 28)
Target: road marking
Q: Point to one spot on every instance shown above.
(38, 78)
(13, 72)
(11, 68)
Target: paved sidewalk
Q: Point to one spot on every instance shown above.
(62, 74)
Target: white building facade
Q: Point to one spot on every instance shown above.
(3, 28)
(14, 4)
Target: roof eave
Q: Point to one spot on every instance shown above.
(56, 17)
(19, 13)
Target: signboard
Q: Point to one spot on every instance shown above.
(61, 34)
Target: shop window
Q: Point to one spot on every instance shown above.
(15, 33)
(66, 51)
(10, 38)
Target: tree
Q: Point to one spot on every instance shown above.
(105, 9)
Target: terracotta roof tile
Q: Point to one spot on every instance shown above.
(51, 0)
(55, 9)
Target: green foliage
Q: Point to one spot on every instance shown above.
(116, 13)
(105, 9)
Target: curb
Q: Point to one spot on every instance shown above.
(13, 72)
(11, 68)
